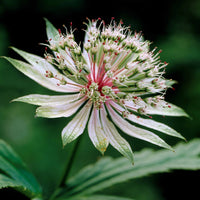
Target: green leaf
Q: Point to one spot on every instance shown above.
(103, 197)
(14, 173)
(108, 172)
(98, 197)
(5, 182)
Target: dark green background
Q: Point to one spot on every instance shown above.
(174, 28)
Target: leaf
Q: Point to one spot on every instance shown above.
(14, 173)
(5, 182)
(98, 197)
(103, 197)
(108, 172)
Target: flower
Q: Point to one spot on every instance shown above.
(115, 81)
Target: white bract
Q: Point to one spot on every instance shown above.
(115, 81)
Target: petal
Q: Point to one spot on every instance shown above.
(96, 132)
(64, 110)
(77, 125)
(114, 137)
(39, 67)
(46, 100)
(135, 131)
(149, 123)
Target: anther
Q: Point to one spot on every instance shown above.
(49, 74)
(59, 32)
(125, 114)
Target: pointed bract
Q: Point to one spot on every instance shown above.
(64, 110)
(149, 123)
(167, 110)
(77, 125)
(135, 131)
(96, 133)
(47, 100)
(114, 137)
(52, 32)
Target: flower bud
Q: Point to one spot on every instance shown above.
(94, 50)
(87, 46)
(77, 50)
(53, 47)
(94, 86)
(141, 111)
(106, 90)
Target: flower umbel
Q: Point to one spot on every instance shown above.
(116, 80)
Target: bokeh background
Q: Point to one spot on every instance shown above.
(172, 25)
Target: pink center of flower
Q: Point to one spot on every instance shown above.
(100, 87)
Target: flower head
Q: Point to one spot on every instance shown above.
(116, 80)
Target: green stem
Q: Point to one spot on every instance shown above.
(70, 162)
(68, 167)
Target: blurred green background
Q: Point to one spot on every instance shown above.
(172, 25)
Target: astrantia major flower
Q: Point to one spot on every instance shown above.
(114, 80)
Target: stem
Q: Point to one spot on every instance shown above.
(68, 167)
(70, 162)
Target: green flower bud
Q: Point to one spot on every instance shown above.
(106, 90)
